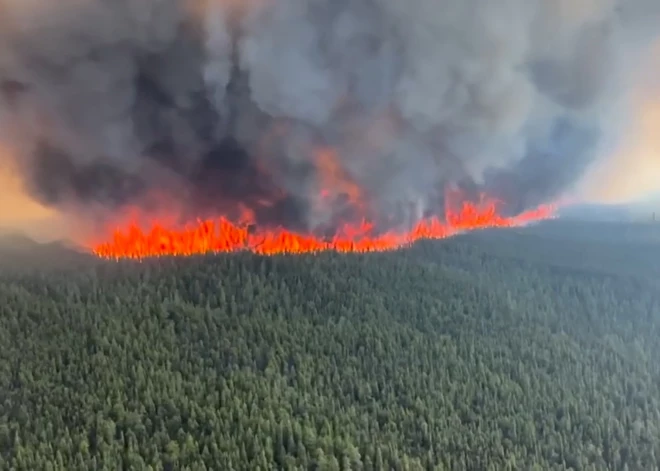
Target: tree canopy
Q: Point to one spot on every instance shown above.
(509, 350)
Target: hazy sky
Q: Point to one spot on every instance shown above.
(632, 170)
(20, 212)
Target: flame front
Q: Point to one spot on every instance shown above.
(222, 235)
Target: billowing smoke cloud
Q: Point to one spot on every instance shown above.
(215, 102)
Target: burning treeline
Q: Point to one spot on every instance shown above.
(223, 235)
(248, 224)
(269, 119)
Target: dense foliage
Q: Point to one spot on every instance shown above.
(532, 350)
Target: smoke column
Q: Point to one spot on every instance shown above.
(220, 102)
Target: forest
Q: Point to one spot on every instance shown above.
(525, 349)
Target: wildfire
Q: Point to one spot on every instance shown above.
(334, 180)
(223, 235)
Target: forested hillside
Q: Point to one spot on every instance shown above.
(532, 349)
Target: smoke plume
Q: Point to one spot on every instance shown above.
(220, 102)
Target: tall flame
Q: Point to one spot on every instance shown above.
(223, 235)
(334, 181)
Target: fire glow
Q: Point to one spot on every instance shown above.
(222, 235)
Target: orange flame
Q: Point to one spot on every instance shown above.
(333, 178)
(223, 235)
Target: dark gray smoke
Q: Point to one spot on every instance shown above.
(223, 101)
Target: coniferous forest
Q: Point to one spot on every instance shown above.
(531, 349)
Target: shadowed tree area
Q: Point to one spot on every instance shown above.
(532, 349)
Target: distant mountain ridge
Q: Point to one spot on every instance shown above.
(20, 241)
(623, 212)
(18, 250)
